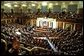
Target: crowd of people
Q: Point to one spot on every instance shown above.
(58, 15)
(66, 42)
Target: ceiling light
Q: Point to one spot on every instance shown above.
(50, 5)
(71, 2)
(56, 3)
(8, 5)
(44, 3)
(15, 5)
(63, 3)
(33, 4)
(24, 5)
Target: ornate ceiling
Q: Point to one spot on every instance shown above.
(38, 4)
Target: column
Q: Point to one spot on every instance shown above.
(63, 24)
(56, 24)
(74, 26)
(49, 24)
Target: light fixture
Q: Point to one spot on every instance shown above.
(44, 3)
(39, 6)
(56, 3)
(50, 5)
(15, 5)
(63, 3)
(71, 2)
(5, 4)
(24, 5)
(33, 4)
(8, 5)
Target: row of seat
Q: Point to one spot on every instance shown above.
(68, 42)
